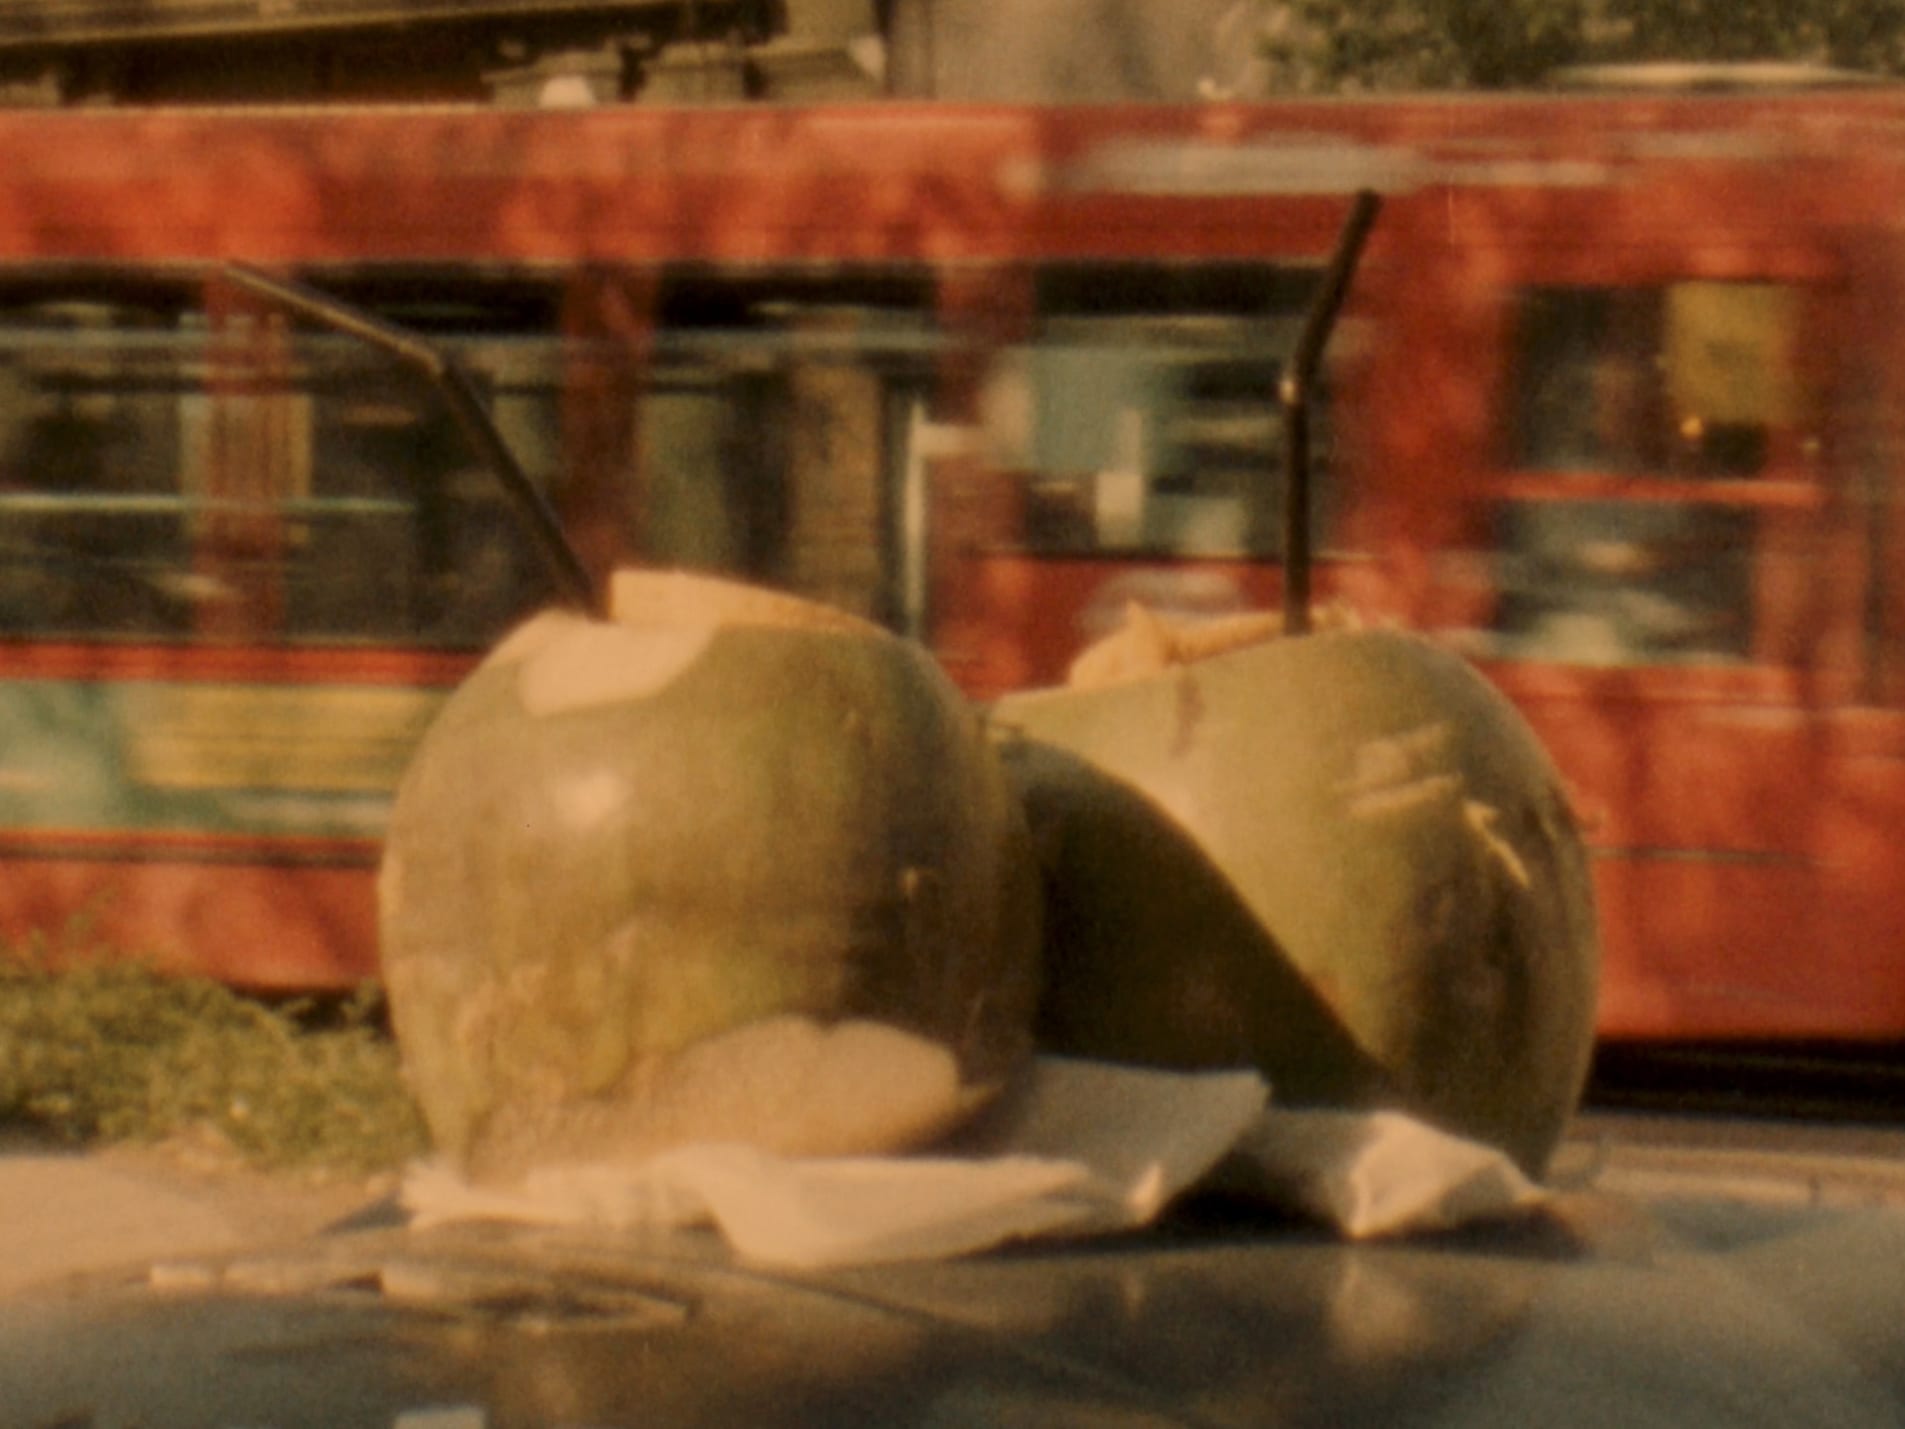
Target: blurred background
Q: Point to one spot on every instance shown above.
(55, 52)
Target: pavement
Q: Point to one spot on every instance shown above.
(65, 1214)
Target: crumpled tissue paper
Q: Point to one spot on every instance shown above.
(1077, 1148)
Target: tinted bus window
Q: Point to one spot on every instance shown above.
(1662, 414)
(1141, 417)
(1625, 582)
(771, 424)
(163, 477)
(1690, 379)
(405, 532)
(91, 536)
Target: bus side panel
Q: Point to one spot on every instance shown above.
(226, 827)
(249, 924)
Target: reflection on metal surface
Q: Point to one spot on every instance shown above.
(533, 1300)
(1697, 1302)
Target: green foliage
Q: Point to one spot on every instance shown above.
(99, 1048)
(1335, 45)
(1854, 34)
(1311, 46)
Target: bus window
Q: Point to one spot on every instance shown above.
(1141, 416)
(91, 539)
(1690, 379)
(165, 476)
(402, 533)
(1647, 430)
(768, 438)
(1625, 582)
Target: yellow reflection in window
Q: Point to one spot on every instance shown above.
(1728, 352)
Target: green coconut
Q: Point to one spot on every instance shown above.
(726, 866)
(1342, 858)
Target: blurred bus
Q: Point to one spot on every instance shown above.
(1613, 409)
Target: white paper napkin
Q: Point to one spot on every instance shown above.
(1376, 1173)
(1077, 1148)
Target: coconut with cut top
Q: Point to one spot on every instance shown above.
(1343, 858)
(726, 866)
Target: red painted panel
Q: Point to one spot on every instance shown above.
(262, 925)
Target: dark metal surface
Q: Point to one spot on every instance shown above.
(1833, 1083)
(1697, 1302)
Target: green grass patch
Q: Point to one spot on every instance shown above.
(96, 1048)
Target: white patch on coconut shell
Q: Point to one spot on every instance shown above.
(815, 1090)
(1395, 759)
(642, 598)
(785, 1084)
(1481, 818)
(1394, 800)
(534, 634)
(590, 799)
(1149, 643)
(594, 664)
(1398, 774)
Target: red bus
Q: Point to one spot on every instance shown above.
(1613, 408)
